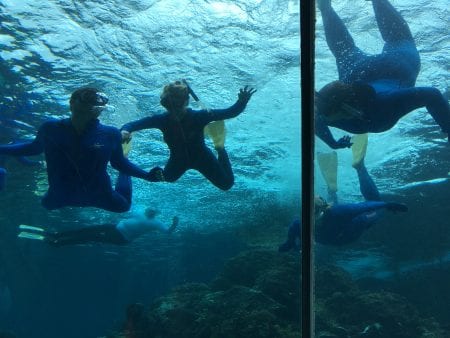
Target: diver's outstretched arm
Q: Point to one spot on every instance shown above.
(244, 96)
(323, 132)
(23, 149)
(403, 101)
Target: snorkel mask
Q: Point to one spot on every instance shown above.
(101, 102)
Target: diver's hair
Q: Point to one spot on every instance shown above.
(86, 95)
(333, 97)
(174, 95)
(151, 213)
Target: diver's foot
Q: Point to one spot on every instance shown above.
(174, 225)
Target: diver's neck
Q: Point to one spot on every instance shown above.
(178, 114)
(79, 123)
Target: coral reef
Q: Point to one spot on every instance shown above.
(258, 295)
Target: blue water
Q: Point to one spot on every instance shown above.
(131, 49)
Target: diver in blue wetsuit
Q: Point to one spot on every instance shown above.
(373, 91)
(343, 223)
(182, 129)
(77, 151)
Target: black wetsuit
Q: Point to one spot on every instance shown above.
(186, 143)
(77, 163)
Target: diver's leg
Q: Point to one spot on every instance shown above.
(103, 233)
(217, 170)
(173, 170)
(366, 184)
(392, 26)
(338, 38)
(120, 199)
(124, 187)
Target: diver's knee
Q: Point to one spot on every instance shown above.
(226, 185)
(122, 208)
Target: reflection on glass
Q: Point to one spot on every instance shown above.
(382, 247)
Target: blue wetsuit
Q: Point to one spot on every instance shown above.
(186, 143)
(390, 76)
(76, 165)
(344, 223)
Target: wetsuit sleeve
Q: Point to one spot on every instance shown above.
(222, 114)
(355, 209)
(121, 163)
(324, 133)
(34, 147)
(145, 123)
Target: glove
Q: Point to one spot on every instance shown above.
(155, 175)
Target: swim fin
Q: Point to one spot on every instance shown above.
(30, 228)
(217, 132)
(328, 167)
(359, 148)
(126, 147)
(31, 235)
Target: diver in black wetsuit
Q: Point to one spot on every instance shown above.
(77, 151)
(373, 91)
(182, 129)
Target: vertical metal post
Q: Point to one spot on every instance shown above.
(307, 35)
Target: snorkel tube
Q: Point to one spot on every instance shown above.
(191, 92)
(194, 96)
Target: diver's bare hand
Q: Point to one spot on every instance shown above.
(343, 142)
(126, 136)
(245, 94)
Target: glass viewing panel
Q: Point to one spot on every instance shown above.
(382, 119)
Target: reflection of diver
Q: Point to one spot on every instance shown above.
(122, 233)
(373, 91)
(343, 223)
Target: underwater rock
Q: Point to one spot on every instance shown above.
(258, 295)
(331, 279)
(4, 334)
